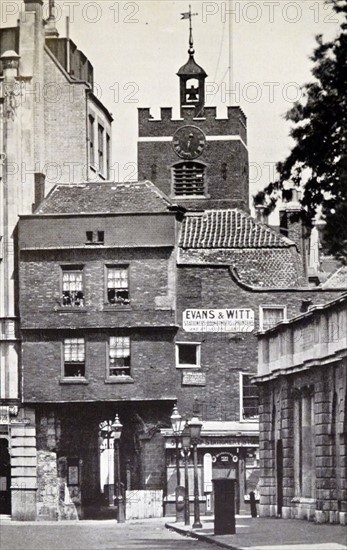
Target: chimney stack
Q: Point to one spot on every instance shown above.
(34, 5)
(291, 223)
(260, 216)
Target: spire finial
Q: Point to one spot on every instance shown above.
(189, 15)
(51, 9)
(51, 30)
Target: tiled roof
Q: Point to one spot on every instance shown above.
(228, 229)
(255, 267)
(337, 279)
(105, 198)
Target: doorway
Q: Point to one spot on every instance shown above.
(5, 477)
(279, 475)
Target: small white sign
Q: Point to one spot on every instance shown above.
(194, 379)
(218, 320)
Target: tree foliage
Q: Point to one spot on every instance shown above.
(318, 161)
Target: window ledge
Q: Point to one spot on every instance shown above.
(119, 380)
(250, 420)
(117, 307)
(192, 197)
(72, 309)
(74, 380)
(190, 367)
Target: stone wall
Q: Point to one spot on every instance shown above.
(280, 420)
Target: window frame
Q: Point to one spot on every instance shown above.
(95, 237)
(187, 365)
(114, 378)
(71, 267)
(254, 418)
(204, 195)
(101, 149)
(71, 379)
(270, 306)
(108, 156)
(91, 136)
(106, 300)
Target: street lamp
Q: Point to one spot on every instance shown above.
(195, 429)
(117, 432)
(186, 453)
(106, 434)
(176, 428)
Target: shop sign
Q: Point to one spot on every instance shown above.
(193, 379)
(218, 320)
(219, 442)
(242, 441)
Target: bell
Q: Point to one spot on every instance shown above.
(192, 93)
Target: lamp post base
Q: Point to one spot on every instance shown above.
(121, 512)
(179, 502)
(197, 525)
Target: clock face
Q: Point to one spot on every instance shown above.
(189, 142)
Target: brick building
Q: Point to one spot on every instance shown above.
(120, 291)
(98, 324)
(303, 415)
(52, 129)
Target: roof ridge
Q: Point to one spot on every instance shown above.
(158, 191)
(104, 197)
(333, 276)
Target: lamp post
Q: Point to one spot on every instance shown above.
(186, 453)
(106, 435)
(195, 429)
(118, 497)
(176, 429)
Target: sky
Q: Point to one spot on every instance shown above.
(137, 47)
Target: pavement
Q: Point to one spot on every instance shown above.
(269, 534)
(145, 534)
(150, 534)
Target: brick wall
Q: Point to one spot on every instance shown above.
(152, 367)
(150, 289)
(123, 231)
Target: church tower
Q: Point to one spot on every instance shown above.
(200, 161)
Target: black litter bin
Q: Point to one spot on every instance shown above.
(224, 506)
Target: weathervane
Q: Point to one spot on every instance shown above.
(189, 15)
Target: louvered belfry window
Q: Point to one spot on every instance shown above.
(189, 179)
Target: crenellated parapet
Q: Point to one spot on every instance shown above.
(235, 124)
